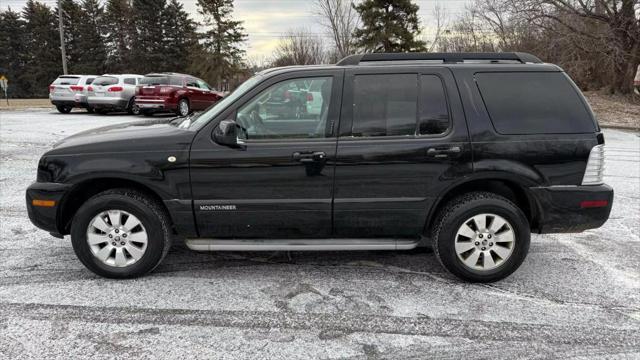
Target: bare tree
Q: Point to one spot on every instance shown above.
(299, 47)
(340, 20)
(466, 34)
(617, 22)
(440, 15)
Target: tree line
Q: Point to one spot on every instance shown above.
(119, 36)
(596, 41)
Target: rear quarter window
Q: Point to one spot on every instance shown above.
(534, 103)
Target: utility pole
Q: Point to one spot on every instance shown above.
(62, 47)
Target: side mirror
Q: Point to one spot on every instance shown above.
(226, 133)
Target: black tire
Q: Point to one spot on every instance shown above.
(153, 217)
(456, 212)
(64, 109)
(132, 108)
(188, 107)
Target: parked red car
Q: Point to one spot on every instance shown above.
(172, 92)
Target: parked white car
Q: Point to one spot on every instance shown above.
(69, 91)
(114, 92)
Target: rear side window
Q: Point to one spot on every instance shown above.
(399, 104)
(105, 80)
(89, 81)
(130, 81)
(66, 80)
(192, 83)
(385, 105)
(534, 103)
(175, 80)
(154, 80)
(434, 112)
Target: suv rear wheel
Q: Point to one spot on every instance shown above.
(481, 237)
(64, 109)
(120, 233)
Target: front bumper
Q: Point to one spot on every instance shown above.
(46, 218)
(567, 209)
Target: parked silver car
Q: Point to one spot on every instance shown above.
(112, 92)
(69, 91)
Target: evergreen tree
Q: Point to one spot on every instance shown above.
(388, 26)
(220, 56)
(13, 57)
(119, 33)
(42, 44)
(92, 54)
(148, 43)
(179, 35)
(71, 13)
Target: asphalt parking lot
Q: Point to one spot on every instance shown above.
(576, 295)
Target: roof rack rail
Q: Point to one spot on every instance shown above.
(444, 57)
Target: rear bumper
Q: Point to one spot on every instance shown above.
(155, 103)
(46, 218)
(107, 102)
(565, 209)
(81, 100)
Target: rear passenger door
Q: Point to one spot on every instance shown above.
(403, 139)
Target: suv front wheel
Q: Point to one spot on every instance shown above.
(481, 237)
(184, 108)
(120, 233)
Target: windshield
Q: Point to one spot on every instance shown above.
(213, 111)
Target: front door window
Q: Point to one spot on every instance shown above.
(291, 109)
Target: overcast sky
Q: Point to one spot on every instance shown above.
(265, 21)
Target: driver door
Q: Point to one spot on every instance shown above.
(280, 184)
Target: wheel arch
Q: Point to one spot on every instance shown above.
(509, 187)
(83, 191)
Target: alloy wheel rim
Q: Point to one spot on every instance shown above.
(117, 238)
(484, 242)
(184, 108)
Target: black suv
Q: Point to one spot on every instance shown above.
(468, 152)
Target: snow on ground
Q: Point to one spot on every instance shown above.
(576, 295)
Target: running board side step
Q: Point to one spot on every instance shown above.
(299, 245)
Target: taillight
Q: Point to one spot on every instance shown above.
(309, 97)
(586, 204)
(115, 89)
(51, 88)
(593, 174)
(165, 89)
(77, 88)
